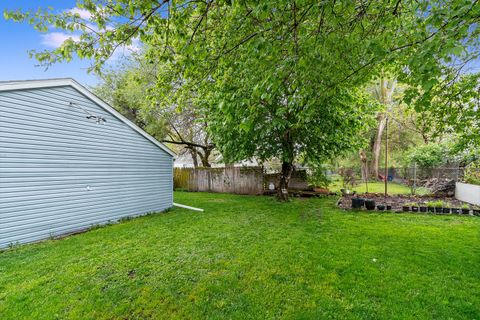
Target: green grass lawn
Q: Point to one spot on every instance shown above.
(379, 187)
(250, 257)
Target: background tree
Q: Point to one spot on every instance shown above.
(383, 91)
(126, 88)
(453, 106)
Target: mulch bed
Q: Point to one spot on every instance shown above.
(396, 201)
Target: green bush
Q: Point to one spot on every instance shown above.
(317, 176)
(348, 178)
(472, 173)
(427, 156)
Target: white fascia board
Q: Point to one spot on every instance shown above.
(35, 84)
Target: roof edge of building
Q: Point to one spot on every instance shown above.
(60, 82)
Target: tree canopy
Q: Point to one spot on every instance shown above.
(277, 78)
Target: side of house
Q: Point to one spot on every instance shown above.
(68, 161)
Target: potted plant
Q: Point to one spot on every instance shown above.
(438, 205)
(406, 207)
(414, 207)
(358, 203)
(423, 207)
(446, 208)
(389, 207)
(465, 209)
(431, 206)
(455, 210)
(348, 180)
(380, 207)
(370, 204)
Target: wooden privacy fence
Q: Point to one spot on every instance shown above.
(239, 180)
(298, 180)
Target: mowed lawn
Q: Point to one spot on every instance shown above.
(393, 188)
(250, 257)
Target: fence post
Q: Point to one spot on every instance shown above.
(414, 178)
(386, 155)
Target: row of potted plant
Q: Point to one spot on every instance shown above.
(431, 206)
(358, 203)
(439, 207)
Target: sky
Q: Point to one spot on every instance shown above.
(18, 38)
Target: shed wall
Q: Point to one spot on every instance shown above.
(61, 172)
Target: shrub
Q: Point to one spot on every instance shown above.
(348, 177)
(317, 176)
(472, 173)
(427, 156)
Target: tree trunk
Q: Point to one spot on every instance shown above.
(377, 145)
(384, 94)
(285, 175)
(424, 131)
(205, 156)
(193, 153)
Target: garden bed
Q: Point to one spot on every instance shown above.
(398, 201)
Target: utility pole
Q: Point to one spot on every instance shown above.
(386, 154)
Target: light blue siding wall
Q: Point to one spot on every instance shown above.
(61, 172)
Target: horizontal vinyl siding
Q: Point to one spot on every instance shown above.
(50, 153)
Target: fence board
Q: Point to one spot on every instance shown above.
(239, 180)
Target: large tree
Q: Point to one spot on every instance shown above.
(277, 78)
(383, 91)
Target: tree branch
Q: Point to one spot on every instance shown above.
(188, 144)
(200, 22)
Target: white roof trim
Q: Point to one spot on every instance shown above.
(33, 84)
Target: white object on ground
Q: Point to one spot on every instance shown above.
(187, 207)
(467, 192)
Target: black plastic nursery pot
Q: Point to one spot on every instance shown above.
(414, 209)
(431, 209)
(476, 212)
(438, 209)
(370, 204)
(389, 207)
(446, 210)
(423, 209)
(455, 210)
(465, 211)
(380, 207)
(358, 203)
(405, 208)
